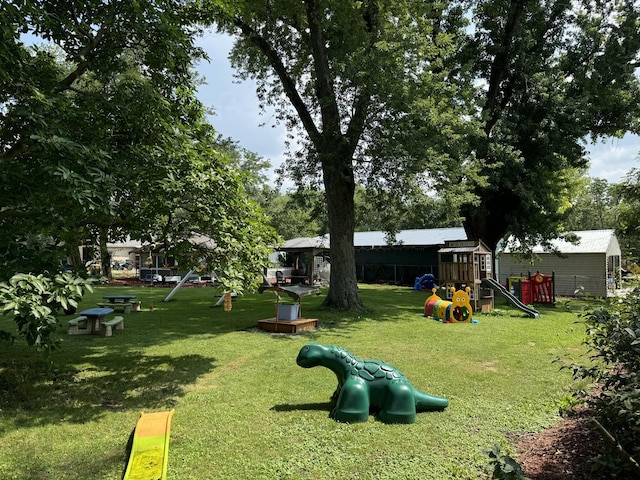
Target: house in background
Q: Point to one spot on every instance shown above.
(124, 255)
(300, 260)
(591, 267)
(152, 262)
(156, 264)
(125, 251)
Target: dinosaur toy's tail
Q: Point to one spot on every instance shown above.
(426, 402)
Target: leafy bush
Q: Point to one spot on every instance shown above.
(502, 466)
(613, 342)
(33, 301)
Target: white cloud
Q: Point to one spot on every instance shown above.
(613, 158)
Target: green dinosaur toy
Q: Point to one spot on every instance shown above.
(366, 386)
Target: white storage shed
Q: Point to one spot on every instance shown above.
(590, 267)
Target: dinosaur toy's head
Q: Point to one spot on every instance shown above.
(312, 355)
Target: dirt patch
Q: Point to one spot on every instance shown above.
(568, 450)
(489, 366)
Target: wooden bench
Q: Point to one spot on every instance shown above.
(74, 327)
(117, 322)
(126, 307)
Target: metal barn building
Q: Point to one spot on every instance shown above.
(591, 267)
(411, 254)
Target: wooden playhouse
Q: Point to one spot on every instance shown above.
(465, 263)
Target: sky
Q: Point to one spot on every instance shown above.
(237, 110)
(238, 116)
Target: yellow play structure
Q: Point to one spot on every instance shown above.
(457, 311)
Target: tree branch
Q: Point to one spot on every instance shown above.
(14, 152)
(287, 82)
(324, 82)
(500, 67)
(84, 56)
(361, 105)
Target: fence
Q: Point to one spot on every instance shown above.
(393, 274)
(573, 285)
(578, 285)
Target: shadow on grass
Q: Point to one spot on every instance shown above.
(192, 311)
(33, 392)
(287, 407)
(92, 375)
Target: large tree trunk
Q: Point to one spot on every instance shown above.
(489, 221)
(339, 187)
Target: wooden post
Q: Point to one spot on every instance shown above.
(227, 302)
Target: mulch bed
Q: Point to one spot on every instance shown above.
(572, 449)
(565, 451)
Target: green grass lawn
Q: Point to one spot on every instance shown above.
(245, 410)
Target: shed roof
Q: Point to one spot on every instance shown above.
(425, 237)
(591, 241)
(304, 243)
(409, 238)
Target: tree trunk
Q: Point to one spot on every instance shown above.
(75, 259)
(489, 220)
(105, 256)
(339, 187)
(492, 218)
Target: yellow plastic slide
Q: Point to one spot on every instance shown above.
(150, 449)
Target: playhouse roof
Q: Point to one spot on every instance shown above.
(458, 249)
(591, 241)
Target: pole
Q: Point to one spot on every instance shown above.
(177, 287)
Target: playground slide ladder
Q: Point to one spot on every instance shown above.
(512, 299)
(150, 449)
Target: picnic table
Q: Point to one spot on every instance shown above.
(120, 301)
(95, 317)
(119, 298)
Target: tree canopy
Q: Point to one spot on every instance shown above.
(626, 211)
(593, 208)
(102, 138)
(487, 103)
(548, 75)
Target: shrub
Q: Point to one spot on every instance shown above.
(33, 301)
(613, 342)
(502, 466)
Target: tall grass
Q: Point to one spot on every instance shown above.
(244, 409)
